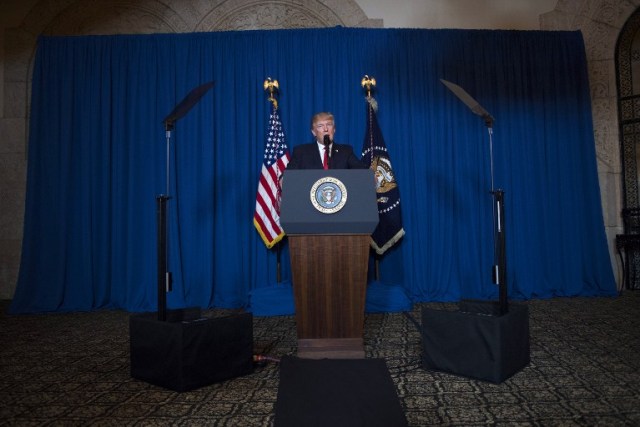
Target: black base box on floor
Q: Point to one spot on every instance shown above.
(188, 351)
(476, 341)
(337, 393)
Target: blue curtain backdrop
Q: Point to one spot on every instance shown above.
(97, 161)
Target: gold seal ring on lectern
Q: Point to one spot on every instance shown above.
(328, 195)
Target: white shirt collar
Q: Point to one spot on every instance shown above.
(321, 148)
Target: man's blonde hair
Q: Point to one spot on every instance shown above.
(321, 116)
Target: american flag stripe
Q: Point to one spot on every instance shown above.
(266, 218)
(265, 209)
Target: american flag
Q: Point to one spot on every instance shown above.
(276, 157)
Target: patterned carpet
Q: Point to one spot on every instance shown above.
(73, 370)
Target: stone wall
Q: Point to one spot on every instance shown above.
(600, 23)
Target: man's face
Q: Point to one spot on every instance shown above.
(323, 127)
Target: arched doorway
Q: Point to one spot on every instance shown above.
(628, 79)
(627, 58)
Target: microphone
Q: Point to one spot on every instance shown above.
(327, 140)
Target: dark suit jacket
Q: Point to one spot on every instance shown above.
(306, 156)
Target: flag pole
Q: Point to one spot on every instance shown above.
(272, 86)
(374, 152)
(278, 264)
(367, 83)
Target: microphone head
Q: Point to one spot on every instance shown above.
(327, 140)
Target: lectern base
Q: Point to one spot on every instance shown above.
(331, 348)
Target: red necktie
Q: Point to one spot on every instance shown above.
(325, 160)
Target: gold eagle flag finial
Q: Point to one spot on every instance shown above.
(273, 88)
(368, 83)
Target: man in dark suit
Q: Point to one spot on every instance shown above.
(324, 153)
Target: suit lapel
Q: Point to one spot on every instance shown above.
(318, 159)
(334, 159)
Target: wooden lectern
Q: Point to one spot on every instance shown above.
(329, 217)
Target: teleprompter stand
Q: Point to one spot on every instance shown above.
(483, 339)
(499, 268)
(164, 275)
(180, 349)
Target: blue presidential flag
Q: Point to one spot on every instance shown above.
(375, 154)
